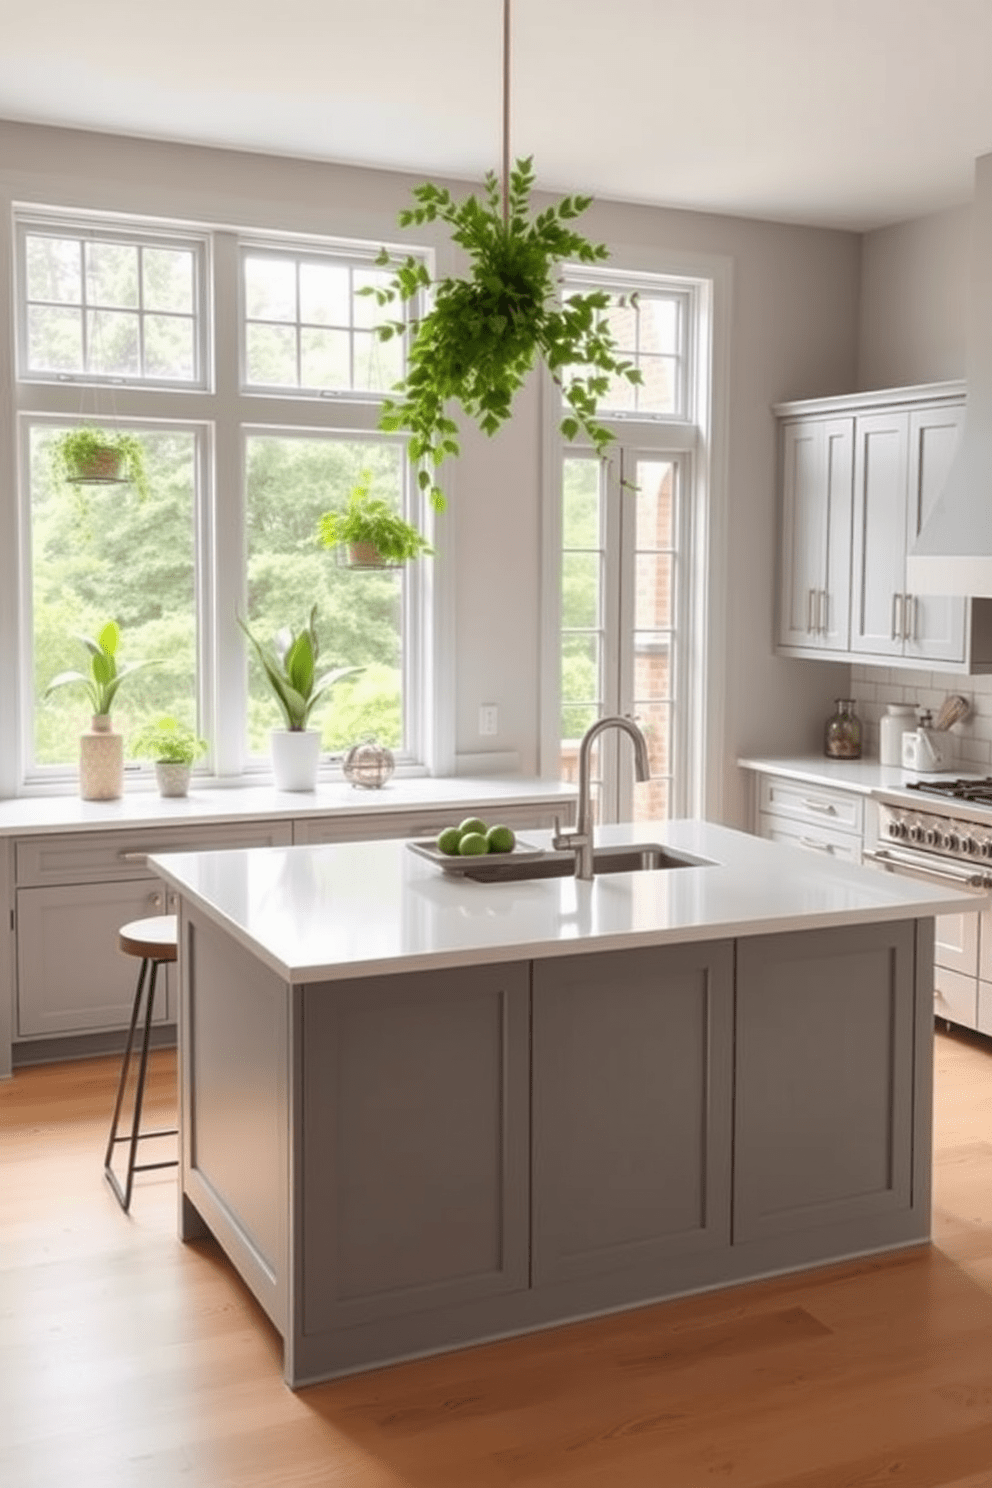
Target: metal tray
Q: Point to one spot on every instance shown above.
(522, 852)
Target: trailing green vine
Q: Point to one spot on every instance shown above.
(483, 333)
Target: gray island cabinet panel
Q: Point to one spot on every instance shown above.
(823, 1127)
(414, 1163)
(632, 1062)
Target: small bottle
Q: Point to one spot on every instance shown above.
(842, 736)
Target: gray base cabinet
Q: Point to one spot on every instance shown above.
(404, 1164)
(631, 1108)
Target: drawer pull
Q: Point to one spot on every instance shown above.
(133, 857)
(826, 847)
(826, 808)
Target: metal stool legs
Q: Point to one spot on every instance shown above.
(147, 975)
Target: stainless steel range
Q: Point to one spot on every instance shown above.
(946, 836)
(943, 834)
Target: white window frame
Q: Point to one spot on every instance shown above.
(99, 229)
(700, 440)
(226, 413)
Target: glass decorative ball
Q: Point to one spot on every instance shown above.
(368, 764)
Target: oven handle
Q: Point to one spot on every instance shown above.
(911, 867)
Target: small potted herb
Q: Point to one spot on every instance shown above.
(374, 535)
(94, 456)
(101, 748)
(290, 664)
(173, 747)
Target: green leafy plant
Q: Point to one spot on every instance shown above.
(368, 520)
(290, 664)
(169, 742)
(94, 454)
(483, 333)
(106, 673)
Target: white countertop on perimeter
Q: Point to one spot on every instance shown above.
(24, 815)
(365, 908)
(863, 776)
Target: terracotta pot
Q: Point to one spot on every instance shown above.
(366, 555)
(101, 761)
(106, 464)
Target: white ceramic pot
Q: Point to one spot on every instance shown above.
(295, 758)
(172, 777)
(101, 761)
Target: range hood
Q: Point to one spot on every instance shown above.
(953, 553)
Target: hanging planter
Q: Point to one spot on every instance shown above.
(485, 332)
(368, 534)
(100, 457)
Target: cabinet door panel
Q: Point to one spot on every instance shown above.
(640, 1171)
(878, 579)
(823, 1097)
(804, 529)
(936, 623)
(835, 615)
(71, 978)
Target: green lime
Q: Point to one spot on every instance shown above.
(448, 841)
(472, 824)
(472, 844)
(500, 839)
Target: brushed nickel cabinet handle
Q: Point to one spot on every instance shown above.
(809, 610)
(823, 611)
(909, 629)
(897, 618)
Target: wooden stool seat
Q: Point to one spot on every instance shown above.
(155, 941)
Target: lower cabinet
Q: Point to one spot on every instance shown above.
(823, 1098)
(632, 1075)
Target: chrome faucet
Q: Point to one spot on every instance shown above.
(580, 839)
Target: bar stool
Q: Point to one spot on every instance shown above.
(156, 941)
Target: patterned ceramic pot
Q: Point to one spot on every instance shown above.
(101, 761)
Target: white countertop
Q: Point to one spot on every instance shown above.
(25, 815)
(365, 908)
(863, 776)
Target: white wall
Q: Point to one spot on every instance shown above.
(793, 333)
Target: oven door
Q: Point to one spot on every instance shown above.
(956, 936)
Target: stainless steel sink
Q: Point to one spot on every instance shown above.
(644, 857)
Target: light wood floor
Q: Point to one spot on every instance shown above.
(128, 1359)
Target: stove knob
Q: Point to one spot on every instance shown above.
(897, 829)
(930, 836)
(950, 841)
(985, 849)
(916, 833)
(968, 845)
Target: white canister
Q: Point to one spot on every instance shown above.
(897, 719)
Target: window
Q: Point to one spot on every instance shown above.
(310, 321)
(624, 535)
(103, 306)
(115, 322)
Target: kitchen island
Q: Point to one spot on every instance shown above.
(419, 1111)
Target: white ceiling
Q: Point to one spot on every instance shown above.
(849, 113)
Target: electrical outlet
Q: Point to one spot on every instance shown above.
(488, 720)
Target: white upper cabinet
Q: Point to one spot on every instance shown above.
(817, 469)
(860, 476)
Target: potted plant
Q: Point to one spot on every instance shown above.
(290, 664)
(173, 747)
(101, 748)
(483, 333)
(374, 535)
(93, 456)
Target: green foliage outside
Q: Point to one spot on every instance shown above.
(580, 598)
(291, 484)
(100, 551)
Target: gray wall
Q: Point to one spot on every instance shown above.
(914, 301)
(793, 333)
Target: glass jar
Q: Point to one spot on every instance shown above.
(842, 735)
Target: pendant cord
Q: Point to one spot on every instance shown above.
(506, 111)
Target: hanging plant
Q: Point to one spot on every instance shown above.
(90, 455)
(485, 332)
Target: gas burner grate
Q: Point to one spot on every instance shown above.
(979, 791)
